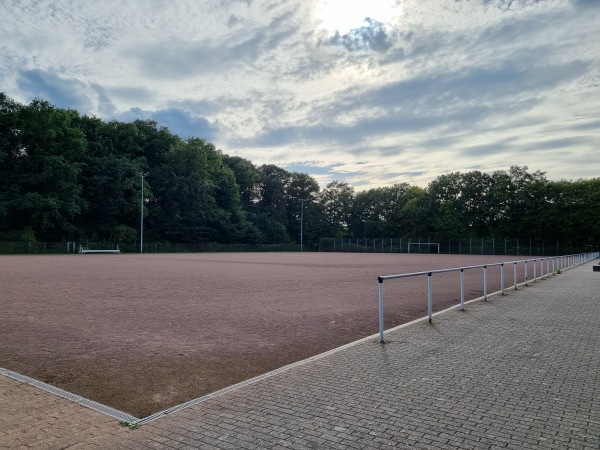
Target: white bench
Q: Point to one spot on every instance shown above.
(85, 250)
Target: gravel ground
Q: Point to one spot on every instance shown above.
(141, 333)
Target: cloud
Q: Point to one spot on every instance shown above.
(179, 121)
(180, 57)
(442, 86)
(61, 92)
(88, 98)
(466, 98)
(373, 36)
(584, 4)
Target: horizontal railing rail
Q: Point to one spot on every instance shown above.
(548, 266)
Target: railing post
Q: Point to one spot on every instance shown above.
(502, 279)
(526, 273)
(380, 279)
(534, 271)
(429, 296)
(553, 269)
(515, 275)
(485, 283)
(462, 289)
(542, 269)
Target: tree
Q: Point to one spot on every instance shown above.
(524, 199)
(247, 177)
(110, 185)
(301, 193)
(198, 196)
(271, 205)
(336, 200)
(444, 193)
(364, 216)
(185, 190)
(9, 179)
(417, 212)
(474, 203)
(570, 220)
(41, 156)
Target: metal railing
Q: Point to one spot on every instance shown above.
(548, 266)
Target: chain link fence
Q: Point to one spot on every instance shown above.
(468, 246)
(20, 248)
(461, 246)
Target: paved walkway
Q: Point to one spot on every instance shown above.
(519, 371)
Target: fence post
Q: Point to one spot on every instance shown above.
(515, 276)
(534, 271)
(462, 289)
(429, 296)
(502, 279)
(526, 279)
(380, 279)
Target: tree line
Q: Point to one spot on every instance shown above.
(71, 177)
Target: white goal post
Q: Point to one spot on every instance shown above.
(435, 245)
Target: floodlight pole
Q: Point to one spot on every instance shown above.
(302, 225)
(142, 217)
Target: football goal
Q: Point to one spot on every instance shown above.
(424, 247)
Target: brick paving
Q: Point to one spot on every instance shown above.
(519, 371)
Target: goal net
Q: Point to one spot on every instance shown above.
(424, 247)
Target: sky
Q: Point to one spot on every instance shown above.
(371, 92)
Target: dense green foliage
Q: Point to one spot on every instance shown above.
(66, 177)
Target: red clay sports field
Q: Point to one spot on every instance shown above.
(143, 332)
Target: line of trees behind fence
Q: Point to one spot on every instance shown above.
(71, 178)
